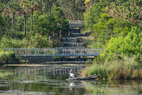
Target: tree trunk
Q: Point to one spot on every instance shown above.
(32, 21)
(24, 24)
(13, 20)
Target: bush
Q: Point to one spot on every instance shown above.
(31, 41)
(40, 41)
(129, 45)
(7, 57)
(8, 42)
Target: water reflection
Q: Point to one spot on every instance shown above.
(71, 85)
(51, 80)
(122, 87)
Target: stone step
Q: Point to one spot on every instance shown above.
(69, 39)
(72, 39)
(74, 30)
(74, 51)
(81, 45)
(78, 34)
(71, 48)
(74, 45)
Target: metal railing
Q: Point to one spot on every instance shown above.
(55, 51)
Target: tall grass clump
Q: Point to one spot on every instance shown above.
(100, 70)
(125, 68)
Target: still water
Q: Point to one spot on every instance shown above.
(51, 80)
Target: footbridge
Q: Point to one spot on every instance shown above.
(55, 54)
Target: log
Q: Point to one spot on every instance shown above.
(93, 77)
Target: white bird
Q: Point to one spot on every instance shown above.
(72, 75)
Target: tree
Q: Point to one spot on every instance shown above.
(73, 9)
(13, 8)
(45, 24)
(9, 10)
(33, 5)
(2, 24)
(59, 16)
(1, 7)
(24, 11)
(128, 45)
(127, 10)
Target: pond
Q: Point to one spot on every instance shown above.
(51, 80)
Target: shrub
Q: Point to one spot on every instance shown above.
(8, 42)
(7, 57)
(40, 41)
(129, 45)
(31, 41)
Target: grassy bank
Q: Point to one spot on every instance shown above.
(7, 57)
(121, 67)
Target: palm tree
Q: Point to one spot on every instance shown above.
(24, 4)
(33, 5)
(12, 8)
(28, 6)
